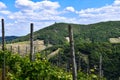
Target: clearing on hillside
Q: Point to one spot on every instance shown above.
(114, 40)
(24, 47)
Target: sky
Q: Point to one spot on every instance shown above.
(18, 14)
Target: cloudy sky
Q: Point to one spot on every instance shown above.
(18, 14)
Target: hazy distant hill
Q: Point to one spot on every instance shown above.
(56, 33)
(9, 38)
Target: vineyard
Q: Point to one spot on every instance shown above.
(23, 47)
(33, 66)
(47, 55)
(20, 68)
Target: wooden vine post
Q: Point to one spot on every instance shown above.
(72, 51)
(26, 50)
(100, 67)
(31, 43)
(3, 49)
(11, 48)
(18, 49)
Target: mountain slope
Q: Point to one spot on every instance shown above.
(56, 33)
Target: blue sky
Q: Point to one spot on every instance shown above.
(18, 14)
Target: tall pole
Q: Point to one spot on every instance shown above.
(31, 43)
(79, 62)
(3, 36)
(18, 49)
(3, 48)
(11, 48)
(88, 67)
(100, 67)
(72, 51)
(26, 50)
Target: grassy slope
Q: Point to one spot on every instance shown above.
(38, 44)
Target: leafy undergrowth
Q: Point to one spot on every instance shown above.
(20, 68)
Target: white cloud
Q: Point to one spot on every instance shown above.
(28, 4)
(42, 14)
(17, 29)
(2, 5)
(5, 12)
(117, 2)
(105, 13)
(46, 12)
(70, 8)
(17, 16)
(43, 10)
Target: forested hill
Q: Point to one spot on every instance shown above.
(87, 51)
(56, 33)
(8, 38)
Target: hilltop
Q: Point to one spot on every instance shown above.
(57, 33)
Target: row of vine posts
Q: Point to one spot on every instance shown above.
(32, 57)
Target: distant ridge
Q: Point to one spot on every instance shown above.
(8, 38)
(57, 33)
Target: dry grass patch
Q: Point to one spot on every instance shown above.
(24, 47)
(114, 40)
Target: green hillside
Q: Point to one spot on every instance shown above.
(91, 42)
(56, 33)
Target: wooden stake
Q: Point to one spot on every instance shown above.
(26, 50)
(31, 43)
(88, 67)
(11, 48)
(3, 48)
(72, 51)
(18, 49)
(100, 67)
(35, 49)
(79, 62)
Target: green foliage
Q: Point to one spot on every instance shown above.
(110, 54)
(91, 41)
(56, 33)
(83, 76)
(91, 51)
(20, 68)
